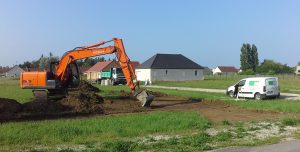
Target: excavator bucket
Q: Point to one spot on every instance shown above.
(145, 98)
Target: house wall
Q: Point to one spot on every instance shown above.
(297, 70)
(143, 74)
(92, 75)
(176, 74)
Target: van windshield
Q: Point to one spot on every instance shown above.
(241, 83)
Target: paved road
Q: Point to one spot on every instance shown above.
(288, 146)
(289, 96)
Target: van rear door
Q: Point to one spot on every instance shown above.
(272, 87)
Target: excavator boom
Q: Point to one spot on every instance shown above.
(61, 77)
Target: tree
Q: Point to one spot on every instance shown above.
(255, 57)
(243, 58)
(271, 67)
(249, 57)
(299, 63)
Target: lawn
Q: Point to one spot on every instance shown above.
(96, 130)
(288, 84)
(9, 88)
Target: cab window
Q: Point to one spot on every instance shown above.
(241, 83)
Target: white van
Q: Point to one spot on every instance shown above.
(257, 88)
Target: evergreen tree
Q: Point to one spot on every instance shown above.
(249, 57)
(255, 58)
(243, 58)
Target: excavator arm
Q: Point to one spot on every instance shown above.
(78, 53)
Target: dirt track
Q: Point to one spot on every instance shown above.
(214, 110)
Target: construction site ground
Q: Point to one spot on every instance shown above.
(224, 119)
(73, 106)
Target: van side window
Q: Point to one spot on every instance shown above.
(242, 83)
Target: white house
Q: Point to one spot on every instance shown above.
(297, 70)
(225, 70)
(169, 67)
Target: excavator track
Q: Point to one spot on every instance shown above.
(40, 95)
(48, 95)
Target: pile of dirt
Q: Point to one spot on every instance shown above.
(9, 107)
(84, 99)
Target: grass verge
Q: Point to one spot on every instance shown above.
(93, 130)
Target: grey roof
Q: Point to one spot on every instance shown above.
(169, 61)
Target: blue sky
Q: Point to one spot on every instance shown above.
(210, 32)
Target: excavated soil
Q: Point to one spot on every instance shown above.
(85, 101)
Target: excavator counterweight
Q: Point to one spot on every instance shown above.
(63, 76)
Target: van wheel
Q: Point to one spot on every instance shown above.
(257, 96)
(231, 94)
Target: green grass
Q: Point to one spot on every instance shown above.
(290, 121)
(9, 88)
(289, 84)
(98, 129)
(270, 105)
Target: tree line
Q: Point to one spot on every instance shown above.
(250, 63)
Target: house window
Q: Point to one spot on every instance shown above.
(196, 73)
(299, 71)
(166, 72)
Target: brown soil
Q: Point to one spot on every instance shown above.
(214, 110)
(86, 101)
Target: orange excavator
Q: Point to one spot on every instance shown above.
(64, 74)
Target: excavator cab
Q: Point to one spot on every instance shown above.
(72, 74)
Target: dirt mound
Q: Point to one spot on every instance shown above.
(9, 107)
(87, 87)
(84, 99)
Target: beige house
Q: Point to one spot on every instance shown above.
(169, 67)
(225, 70)
(94, 72)
(297, 70)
